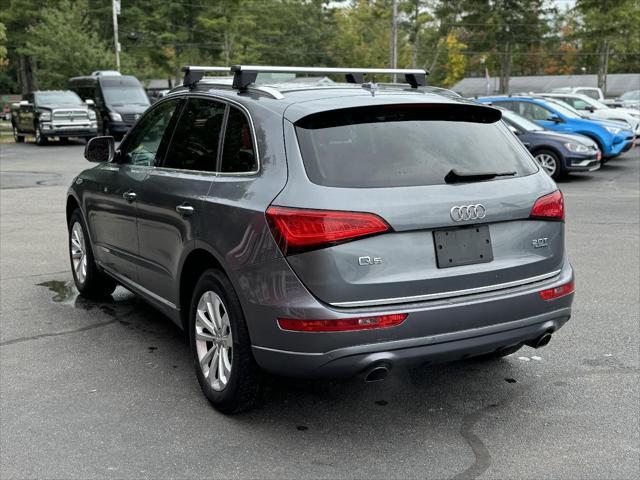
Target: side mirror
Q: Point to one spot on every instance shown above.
(89, 102)
(100, 149)
(554, 118)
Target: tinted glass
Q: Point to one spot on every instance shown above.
(195, 141)
(143, 142)
(238, 154)
(394, 146)
(528, 110)
(520, 122)
(124, 95)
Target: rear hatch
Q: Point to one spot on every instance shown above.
(389, 204)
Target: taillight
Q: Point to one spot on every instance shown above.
(549, 207)
(557, 292)
(297, 230)
(343, 324)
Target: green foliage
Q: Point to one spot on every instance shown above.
(63, 44)
(56, 39)
(456, 61)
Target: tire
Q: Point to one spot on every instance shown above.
(89, 280)
(223, 342)
(550, 162)
(40, 139)
(64, 139)
(16, 135)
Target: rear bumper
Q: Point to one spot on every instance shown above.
(434, 331)
(350, 361)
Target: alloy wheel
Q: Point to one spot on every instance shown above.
(78, 252)
(548, 163)
(214, 340)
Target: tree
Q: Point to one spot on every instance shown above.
(456, 61)
(78, 50)
(612, 29)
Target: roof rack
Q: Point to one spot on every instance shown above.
(245, 75)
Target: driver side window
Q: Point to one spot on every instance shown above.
(144, 141)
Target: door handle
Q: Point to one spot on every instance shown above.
(129, 196)
(185, 210)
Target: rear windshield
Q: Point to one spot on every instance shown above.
(407, 145)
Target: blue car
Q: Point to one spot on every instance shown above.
(613, 138)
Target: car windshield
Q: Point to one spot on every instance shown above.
(58, 98)
(565, 109)
(124, 95)
(407, 145)
(521, 122)
(594, 103)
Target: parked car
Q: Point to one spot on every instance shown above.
(323, 231)
(120, 100)
(557, 153)
(591, 92)
(596, 110)
(52, 113)
(611, 137)
(629, 99)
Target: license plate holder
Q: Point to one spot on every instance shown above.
(463, 246)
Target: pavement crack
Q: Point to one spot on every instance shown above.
(58, 334)
(482, 455)
(481, 452)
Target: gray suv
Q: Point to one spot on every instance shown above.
(323, 231)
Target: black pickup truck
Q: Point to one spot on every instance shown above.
(53, 113)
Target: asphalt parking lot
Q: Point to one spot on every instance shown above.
(94, 390)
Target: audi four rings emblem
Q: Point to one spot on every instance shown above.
(461, 213)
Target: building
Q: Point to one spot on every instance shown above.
(617, 84)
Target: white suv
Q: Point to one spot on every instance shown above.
(594, 109)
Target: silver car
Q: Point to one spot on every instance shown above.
(323, 231)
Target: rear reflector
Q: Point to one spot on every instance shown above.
(549, 207)
(343, 324)
(297, 230)
(557, 292)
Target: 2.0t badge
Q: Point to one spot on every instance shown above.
(461, 213)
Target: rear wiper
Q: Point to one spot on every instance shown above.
(456, 176)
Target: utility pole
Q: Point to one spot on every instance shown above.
(394, 37)
(116, 11)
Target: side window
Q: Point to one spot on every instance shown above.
(532, 111)
(513, 106)
(579, 104)
(238, 153)
(591, 93)
(143, 142)
(195, 141)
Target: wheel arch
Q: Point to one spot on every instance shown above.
(595, 138)
(195, 261)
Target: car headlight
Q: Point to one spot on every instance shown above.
(116, 117)
(45, 116)
(576, 147)
(92, 115)
(613, 130)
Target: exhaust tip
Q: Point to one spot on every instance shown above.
(541, 341)
(376, 374)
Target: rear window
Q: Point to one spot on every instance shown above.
(408, 145)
